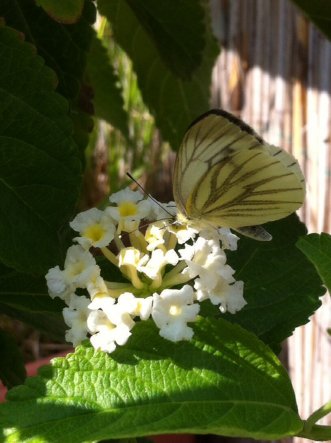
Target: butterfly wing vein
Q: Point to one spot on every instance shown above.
(229, 177)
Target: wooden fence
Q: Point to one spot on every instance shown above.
(274, 71)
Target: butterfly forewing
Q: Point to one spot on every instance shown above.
(207, 142)
(226, 175)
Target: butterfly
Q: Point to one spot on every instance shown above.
(226, 175)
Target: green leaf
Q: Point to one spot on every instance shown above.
(319, 12)
(317, 248)
(39, 162)
(64, 49)
(108, 100)
(26, 298)
(66, 46)
(224, 382)
(12, 370)
(173, 101)
(177, 31)
(23, 291)
(63, 12)
(281, 287)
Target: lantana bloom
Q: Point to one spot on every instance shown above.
(161, 268)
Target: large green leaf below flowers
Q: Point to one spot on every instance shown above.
(225, 381)
(281, 286)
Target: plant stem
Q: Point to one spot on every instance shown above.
(317, 432)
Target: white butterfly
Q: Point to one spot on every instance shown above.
(227, 176)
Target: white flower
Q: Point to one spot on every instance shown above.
(126, 195)
(96, 228)
(128, 260)
(207, 260)
(130, 209)
(106, 333)
(56, 283)
(105, 340)
(141, 307)
(80, 267)
(163, 211)
(97, 288)
(183, 232)
(156, 263)
(228, 296)
(155, 235)
(103, 303)
(171, 311)
(130, 256)
(119, 316)
(75, 316)
(228, 239)
(204, 258)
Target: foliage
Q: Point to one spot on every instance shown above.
(68, 13)
(318, 250)
(197, 390)
(39, 159)
(105, 85)
(57, 72)
(160, 88)
(281, 285)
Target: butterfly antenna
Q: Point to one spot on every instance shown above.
(148, 195)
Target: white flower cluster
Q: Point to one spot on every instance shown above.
(153, 265)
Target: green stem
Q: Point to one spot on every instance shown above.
(317, 432)
(174, 277)
(110, 256)
(138, 241)
(171, 241)
(118, 242)
(317, 415)
(176, 270)
(157, 282)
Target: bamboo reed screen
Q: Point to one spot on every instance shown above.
(274, 71)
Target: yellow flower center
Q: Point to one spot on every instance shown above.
(127, 209)
(100, 294)
(175, 310)
(83, 316)
(76, 268)
(94, 232)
